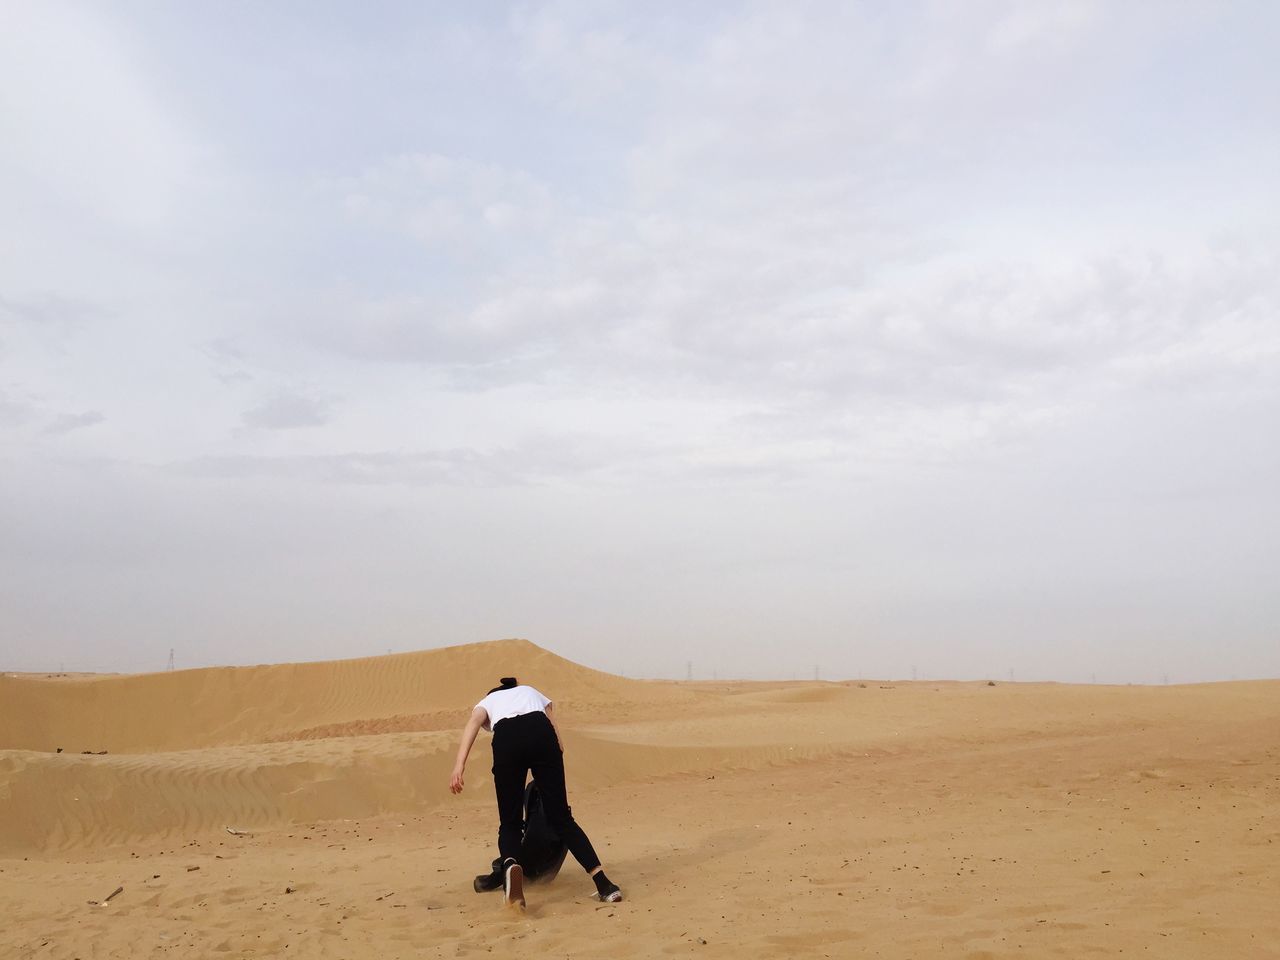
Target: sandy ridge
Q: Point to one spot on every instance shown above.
(219, 706)
(860, 818)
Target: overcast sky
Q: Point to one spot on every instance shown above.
(868, 337)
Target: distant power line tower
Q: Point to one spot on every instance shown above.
(170, 666)
(688, 669)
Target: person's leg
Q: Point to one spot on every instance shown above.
(547, 764)
(548, 771)
(509, 774)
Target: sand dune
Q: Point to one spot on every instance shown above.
(909, 819)
(236, 705)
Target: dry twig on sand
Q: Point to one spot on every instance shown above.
(105, 900)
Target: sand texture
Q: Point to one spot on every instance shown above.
(854, 819)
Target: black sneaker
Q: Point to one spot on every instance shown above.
(610, 894)
(492, 880)
(513, 886)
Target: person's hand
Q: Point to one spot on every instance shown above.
(455, 782)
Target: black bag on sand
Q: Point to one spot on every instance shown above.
(541, 851)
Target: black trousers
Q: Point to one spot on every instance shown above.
(524, 743)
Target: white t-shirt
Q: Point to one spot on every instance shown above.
(512, 702)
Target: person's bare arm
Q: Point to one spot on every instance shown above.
(478, 717)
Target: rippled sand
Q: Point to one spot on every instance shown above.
(742, 819)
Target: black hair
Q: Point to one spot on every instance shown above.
(507, 684)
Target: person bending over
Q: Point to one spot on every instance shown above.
(525, 739)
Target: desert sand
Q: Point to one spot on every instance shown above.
(852, 819)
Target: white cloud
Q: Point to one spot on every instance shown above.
(13, 412)
(67, 422)
(466, 209)
(288, 412)
(86, 132)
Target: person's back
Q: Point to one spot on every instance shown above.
(502, 703)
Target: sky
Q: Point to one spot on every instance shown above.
(728, 340)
